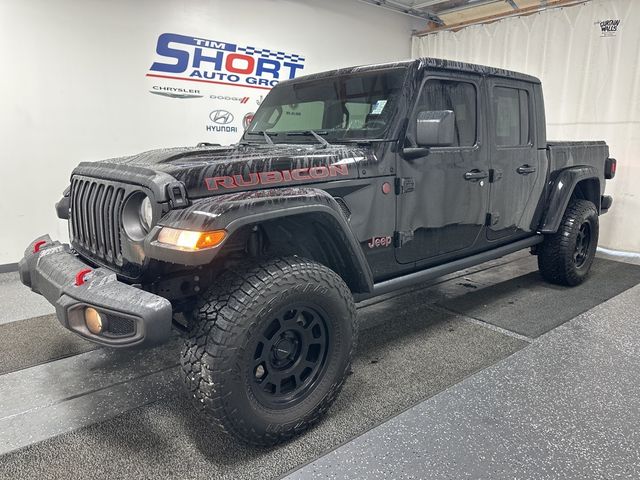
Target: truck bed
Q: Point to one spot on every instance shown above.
(563, 154)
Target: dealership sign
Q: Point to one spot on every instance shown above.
(182, 57)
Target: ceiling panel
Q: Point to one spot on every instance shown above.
(482, 11)
(440, 14)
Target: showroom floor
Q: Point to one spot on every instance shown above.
(462, 362)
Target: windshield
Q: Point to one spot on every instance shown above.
(350, 107)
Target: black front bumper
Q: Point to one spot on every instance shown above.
(134, 317)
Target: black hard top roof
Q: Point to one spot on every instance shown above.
(426, 62)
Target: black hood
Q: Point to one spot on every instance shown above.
(207, 171)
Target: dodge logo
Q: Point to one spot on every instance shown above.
(221, 117)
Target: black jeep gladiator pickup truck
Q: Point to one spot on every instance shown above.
(346, 185)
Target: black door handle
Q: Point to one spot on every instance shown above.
(475, 175)
(525, 169)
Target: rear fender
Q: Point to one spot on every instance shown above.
(562, 186)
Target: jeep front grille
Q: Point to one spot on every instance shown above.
(96, 209)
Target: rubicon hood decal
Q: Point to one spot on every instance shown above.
(276, 177)
(213, 170)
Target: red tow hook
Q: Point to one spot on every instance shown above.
(37, 245)
(80, 276)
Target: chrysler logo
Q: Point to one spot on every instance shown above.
(221, 117)
(175, 95)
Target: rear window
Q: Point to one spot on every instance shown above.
(511, 107)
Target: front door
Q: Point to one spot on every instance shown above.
(444, 194)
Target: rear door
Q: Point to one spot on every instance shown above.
(515, 163)
(443, 195)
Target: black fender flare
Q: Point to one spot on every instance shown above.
(561, 186)
(234, 211)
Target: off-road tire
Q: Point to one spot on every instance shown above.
(230, 321)
(557, 254)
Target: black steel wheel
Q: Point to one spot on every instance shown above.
(565, 257)
(290, 356)
(583, 244)
(269, 348)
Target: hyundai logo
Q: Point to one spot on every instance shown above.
(221, 117)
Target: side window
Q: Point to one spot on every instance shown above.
(511, 107)
(461, 98)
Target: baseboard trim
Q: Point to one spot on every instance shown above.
(8, 267)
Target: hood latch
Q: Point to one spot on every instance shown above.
(177, 195)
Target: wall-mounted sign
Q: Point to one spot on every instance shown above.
(209, 73)
(608, 28)
(183, 57)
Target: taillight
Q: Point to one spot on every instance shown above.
(610, 166)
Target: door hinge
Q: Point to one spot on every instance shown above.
(402, 238)
(492, 219)
(494, 175)
(405, 185)
(177, 195)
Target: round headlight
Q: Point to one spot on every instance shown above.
(137, 216)
(146, 214)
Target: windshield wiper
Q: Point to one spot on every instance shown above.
(323, 142)
(267, 138)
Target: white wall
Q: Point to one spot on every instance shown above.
(591, 84)
(73, 84)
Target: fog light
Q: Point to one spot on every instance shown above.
(94, 321)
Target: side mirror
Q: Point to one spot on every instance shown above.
(435, 128)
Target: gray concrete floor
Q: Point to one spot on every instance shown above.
(567, 406)
(17, 302)
(124, 413)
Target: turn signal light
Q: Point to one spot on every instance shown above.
(190, 240)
